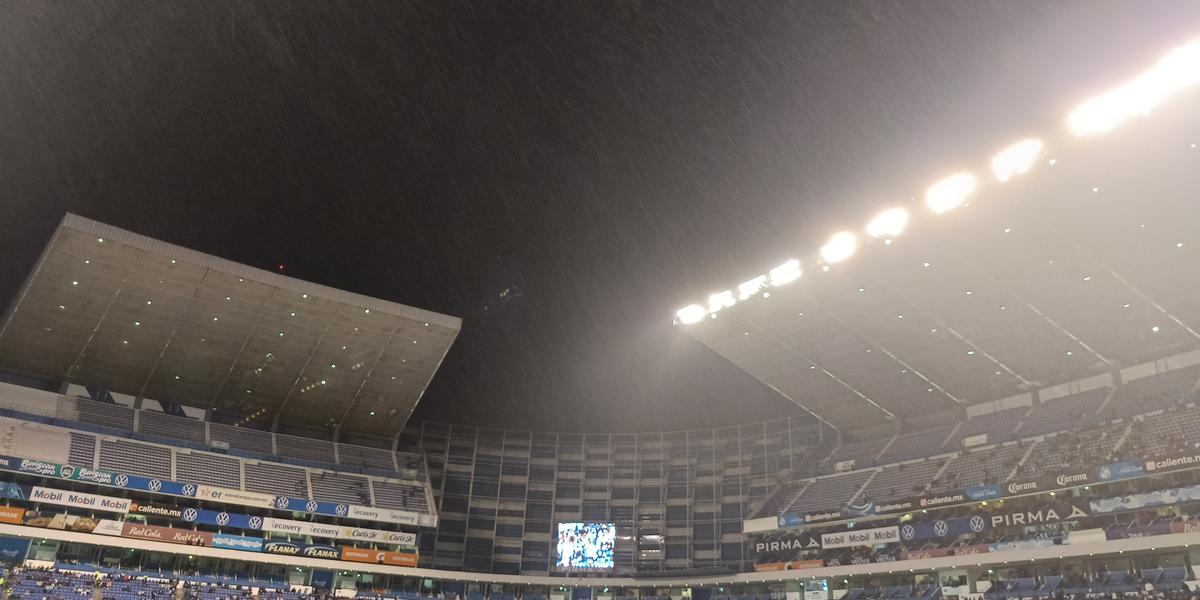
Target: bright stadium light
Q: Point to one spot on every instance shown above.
(888, 224)
(692, 313)
(1016, 159)
(785, 273)
(748, 289)
(839, 247)
(951, 192)
(721, 300)
(1176, 71)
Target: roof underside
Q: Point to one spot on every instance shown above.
(111, 308)
(1039, 281)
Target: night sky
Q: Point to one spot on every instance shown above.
(562, 175)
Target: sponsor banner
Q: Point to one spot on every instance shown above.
(1085, 536)
(157, 486)
(975, 440)
(80, 500)
(861, 509)
(157, 510)
(983, 492)
(221, 518)
(87, 474)
(952, 528)
(760, 524)
(1173, 463)
(812, 518)
(383, 557)
(1146, 500)
(14, 491)
(237, 542)
(862, 537)
(12, 515)
(942, 500)
(109, 527)
(1185, 527)
(282, 548)
(943, 528)
(313, 506)
(322, 530)
(60, 521)
(1122, 533)
(384, 515)
(319, 551)
(1121, 470)
(1048, 483)
(32, 467)
(799, 541)
(860, 560)
(1020, 545)
(789, 566)
(940, 552)
(230, 496)
(166, 534)
(13, 550)
(1045, 513)
(896, 506)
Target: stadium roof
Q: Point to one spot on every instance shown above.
(1088, 263)
(132, 314)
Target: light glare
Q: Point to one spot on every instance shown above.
(1016, 159)
(747, 289)
(888, 224)
(839, 247)
(1139, 96)
(785, 273)
(692, 313)
(950, 192)
(721, 300)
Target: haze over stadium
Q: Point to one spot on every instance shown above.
(867, 301)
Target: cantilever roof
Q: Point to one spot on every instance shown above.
(1076, 268)
(135, 315)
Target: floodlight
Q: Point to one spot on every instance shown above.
(839, 247)
(785, 273)
(1016, 159)
(721, 300)
(950, 192)
(692, 313)
(888, 224)
(749, 288)
(1140, 96)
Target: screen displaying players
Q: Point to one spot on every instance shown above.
(586, 545)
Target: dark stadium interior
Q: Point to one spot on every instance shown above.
(874, 300)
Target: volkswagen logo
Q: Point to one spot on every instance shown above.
(908, 532)
(311, 506)
(189, 514)
(941, 528)
(122, 480)
(342, 509)
(155, 485)
(281, 502)
(223, 518)
(255, 522)
(189, 489)
(976, 523)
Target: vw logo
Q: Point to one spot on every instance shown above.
(908, 532)
(940, 528)
(976, 523)
(255, 522)
(155, 485)
(189, 489)
(122, 480)
(342, 509)
(311, 506)
(223, 518)
(189, 514)
(281, 502)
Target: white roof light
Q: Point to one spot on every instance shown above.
(1016, 159)
(721, 300)
(1178, 70)
(951, 192)
(839, 247)
(692, 313)
(888, 224)
(748, 289)
(785, 273)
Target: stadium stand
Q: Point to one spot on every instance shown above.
(998, 426)
(202, 466)
(242, 438)
(862, 452)
(276, 479)
(1062, 414)
(171, 427)
(125, 456)
(318, 452)
(914, 445)
(902, 480)
(1155, 392)
(986, 465)
(336, 487)
(830, 492)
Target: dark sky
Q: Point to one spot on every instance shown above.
(608, 161)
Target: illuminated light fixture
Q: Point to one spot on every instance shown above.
(888, 224)
(748, 289)
(951, 192)
(785, 273)
(1140, 96)
(721, 300)
(692, 313)
(839, 247)
(1016, 159)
